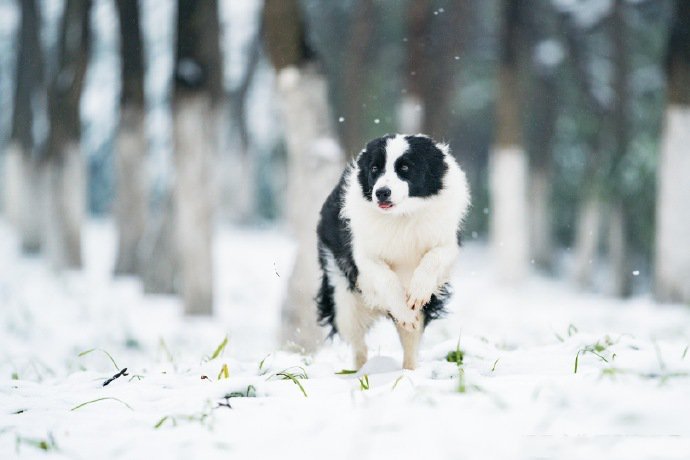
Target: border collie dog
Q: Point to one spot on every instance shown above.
(388, 238)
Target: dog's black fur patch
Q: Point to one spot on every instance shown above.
(334, 239)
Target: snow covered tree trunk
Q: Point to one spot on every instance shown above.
(67, 198)
(159, 261)
(672, 267)
(509, 232)
(314, 165)
(587, 236)
(30, 223)
(198, 93)
(22, 173)
(193, 201)
(12, 183)
(410, 114)
(66, 175)
(131, 199)
(508, 166)
(621, 271)
(541, 241)
(672, 264)
(314, 160)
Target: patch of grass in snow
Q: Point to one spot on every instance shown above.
(86, 352)
(493, 368)
(364, 382)
(572, 330)
(224, 372)
(456, 356)
(685, 352)
(203, 418)
(42, 444)
(249, 393)
(261, 364)
(596, 349)
(79, 406)
(346, 372)
(164, 347)
(219, 349)
(289, 374)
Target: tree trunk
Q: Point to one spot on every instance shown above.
(67, 193)
(159, 259)
(314, 162)
(618, 225)
(198, 93)
(672, 265)
(508, 166)
(587, 236)
(621, 271)
(130, 167)
(13, 183)
(193, 204)
(22, 166)
(541, 238)
(67, 173)
(314, 165)
(509, 233)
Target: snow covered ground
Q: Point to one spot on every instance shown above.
(516, 394)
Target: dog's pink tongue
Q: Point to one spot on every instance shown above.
(385, 205)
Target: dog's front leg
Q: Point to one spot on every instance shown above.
(432, 271)
(381, 289)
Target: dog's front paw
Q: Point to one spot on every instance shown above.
(420, 291)
(406, 318)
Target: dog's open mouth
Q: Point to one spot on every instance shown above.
(385, 204)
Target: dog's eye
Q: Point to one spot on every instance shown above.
(404, 168)
(374, 169)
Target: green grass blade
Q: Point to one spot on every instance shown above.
(219, 349)
(100, 399)
(86, 352)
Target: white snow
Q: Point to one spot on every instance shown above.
(521, 396)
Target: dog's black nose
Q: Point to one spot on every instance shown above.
(383, 194)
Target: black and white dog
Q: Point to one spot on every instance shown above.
(388, 238)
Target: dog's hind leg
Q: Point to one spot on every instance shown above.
(353, 321)
(410, 342)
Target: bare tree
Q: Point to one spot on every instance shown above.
(67, 174)
(131, 199)
(24, 170)
(434, 44)
(618, 246)
(591, 204)
(672, 265)
(543, 106)
(198, 88)
(509, 233)
(314, 159)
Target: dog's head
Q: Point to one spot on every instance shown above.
(398, 172)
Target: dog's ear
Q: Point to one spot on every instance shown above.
(363, 177)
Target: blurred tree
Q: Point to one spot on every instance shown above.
(314, 159)
(590, 211)
(543, 94)
(618, 246)
(198, 90)
(672, 264)
(509, 232)
(436, 35)
(24, 171)
(66, 165)
(131, 198)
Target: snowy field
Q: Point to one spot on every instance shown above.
(547, 372)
